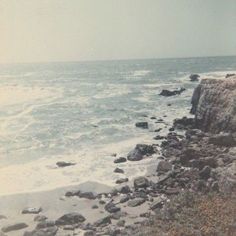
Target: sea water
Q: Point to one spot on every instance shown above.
(84, 112)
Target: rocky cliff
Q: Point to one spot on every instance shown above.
(214, 105)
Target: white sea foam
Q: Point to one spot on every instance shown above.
(91, 165)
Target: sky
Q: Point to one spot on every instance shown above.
(75, 30)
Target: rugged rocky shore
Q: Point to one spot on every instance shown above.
(198, 158)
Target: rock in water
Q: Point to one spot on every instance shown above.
(140, 151)
(168, 93)
(194, 77)
(70, 218)
(214, 106)
(64, 164)
(143, 125)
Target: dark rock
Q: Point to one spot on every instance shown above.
(122, 180)
(88, 195)
(159, 137)
(158, 130)
(104, 221)
(141, 182)
(164, 166)
(89, 233)
(72, 193)
(45, 224)
(229, 75)
(111, 207)
(143, 125)
(136, 202)
(31, 210)
(224, 139)
(102, 202)
(205, 172)
(184, 123)
(194, 77)
(118, 170)
(70, 218)
(120, 160)
(14, 227)
(156, 204)
(121, 223)
(118, 215)
(64, 164)
(140, 151)
(168, 93)
(40, 218)
(124, 189)
(124, 199)
(50, 231)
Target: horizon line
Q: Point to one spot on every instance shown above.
(107, 60)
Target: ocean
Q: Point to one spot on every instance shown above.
(85, 112)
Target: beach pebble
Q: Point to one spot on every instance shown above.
(120, 160)
(31, 210)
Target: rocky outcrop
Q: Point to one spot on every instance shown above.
(214, 105)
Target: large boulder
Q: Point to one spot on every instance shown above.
(214, 105)
(70, 219)
(140, 151)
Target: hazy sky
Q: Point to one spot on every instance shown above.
(72, 30)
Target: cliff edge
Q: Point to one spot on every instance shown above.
(214, 105)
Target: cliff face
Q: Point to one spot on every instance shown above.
(214, 105)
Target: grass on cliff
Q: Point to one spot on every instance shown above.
(195, 215)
